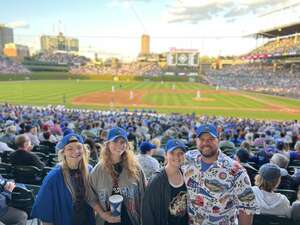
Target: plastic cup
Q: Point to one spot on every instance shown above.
(115, 204)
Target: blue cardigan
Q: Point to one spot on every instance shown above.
(54, 201)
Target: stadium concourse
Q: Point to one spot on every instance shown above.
(252, 142)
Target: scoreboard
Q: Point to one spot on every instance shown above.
(183, 57)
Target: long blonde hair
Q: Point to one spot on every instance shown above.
(128, 160)
(83, 167)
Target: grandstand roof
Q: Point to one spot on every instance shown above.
(282, 30)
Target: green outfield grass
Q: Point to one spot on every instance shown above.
(239, 104)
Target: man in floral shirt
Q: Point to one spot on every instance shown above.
(219, 189)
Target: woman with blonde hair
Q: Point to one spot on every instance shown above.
(117, 173)
(63, 194)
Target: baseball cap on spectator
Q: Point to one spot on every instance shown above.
(69, 139)
(116, 132)
(146, 147)
(28, 127)
(45, 127)
(280, 145)
(130, 129)
(243, 155)
(173, 144)
(270, 172)
(210, 129)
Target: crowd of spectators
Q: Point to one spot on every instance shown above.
(8, 66)
(253, 143)
(134, 68)
(258, 78)
(61, 59)
(283, 46)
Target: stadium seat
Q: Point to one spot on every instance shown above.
(22, 198)
(6, 170)
(43, 149)
(42, 156)
(272, 220)
(229, 151)
(45, 171)
(27, 174)
(34, 188)
(5, 156)
(254, 165)
(295, 163)
(290, 194)
(52, 160)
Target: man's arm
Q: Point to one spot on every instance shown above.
(245, 219)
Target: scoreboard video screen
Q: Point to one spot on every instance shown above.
(183, 57)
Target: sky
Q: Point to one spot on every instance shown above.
(114, 27)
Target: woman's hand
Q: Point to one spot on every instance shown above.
(107, 216)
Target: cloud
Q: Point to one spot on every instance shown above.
(192, 11)
(18, 24)
(123, 3)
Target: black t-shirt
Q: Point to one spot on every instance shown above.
(125, 220)
(80, 206)
(24, 158)
(178, 206)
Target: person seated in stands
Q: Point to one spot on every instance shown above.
(44, 135)
(87, 132)
(267, 180)
(46, 140)
(132, 138)
(94, 151)
(295, 155)
(5, 148)
(287, 181)
(260, 157)
(296, 207)
(9, 215)
(23, 155)
(148, 163)
(158, 151)
(243, 156)
(9, 136)
(246, 145)
(56, 129)
(62, 198)
(31, 132)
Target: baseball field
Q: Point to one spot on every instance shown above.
(163, 97)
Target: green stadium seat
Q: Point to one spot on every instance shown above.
(290, 194)
(295, 163)
(272, 220)
(6, 170)
(27, 174)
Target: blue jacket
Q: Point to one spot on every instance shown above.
(54, 201)
(4, 195)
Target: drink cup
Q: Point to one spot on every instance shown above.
(115, 204)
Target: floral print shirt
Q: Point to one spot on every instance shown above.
(216, 196)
